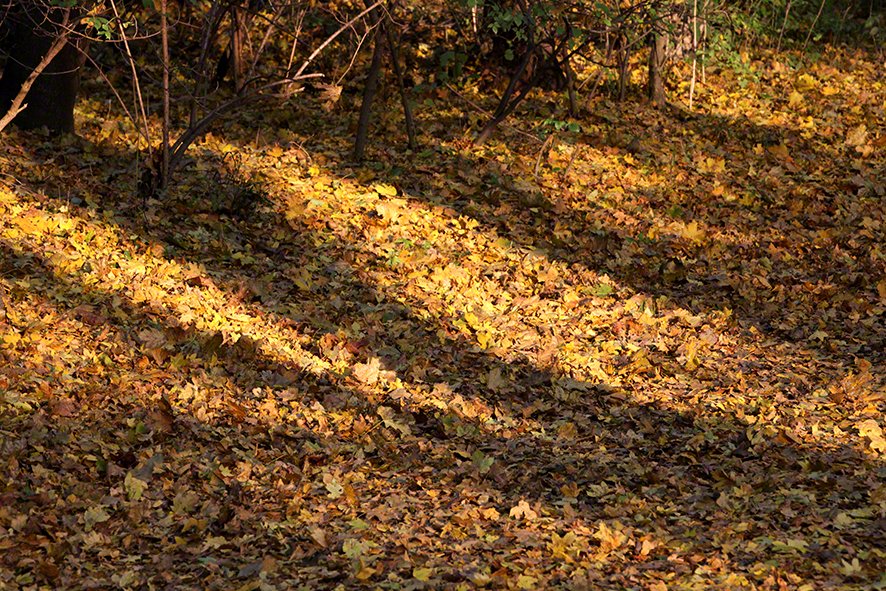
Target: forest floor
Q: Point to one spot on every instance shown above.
(647, 355)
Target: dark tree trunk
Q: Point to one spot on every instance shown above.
(404, 99)
(657, 48)
(239, 33)
(623, 59)
(506, 105)
(369, 89)
(51, 99)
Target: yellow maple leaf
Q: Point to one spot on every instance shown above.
(66, 224)
(610, 537)
(567, 431)
(329, 95)
(563, 547)
(7, 196)
(364, 572)
(850, 568)
(857, 136)
(780, 151)
(134, 487)
(570, 490)
(27, 225)
(805, 82)
(484, 339)
(692, 232)
(386, 190)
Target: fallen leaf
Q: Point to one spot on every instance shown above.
(367, 373)
(524, 511)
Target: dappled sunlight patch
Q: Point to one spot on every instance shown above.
(620, 364)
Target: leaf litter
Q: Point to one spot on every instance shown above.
(650, 368)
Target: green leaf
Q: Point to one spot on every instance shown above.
(482, 462)
(602, 290)
(422, 574)
(134, 487)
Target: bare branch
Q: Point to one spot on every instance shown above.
(135, 81)
(332, 37)
(17, 107)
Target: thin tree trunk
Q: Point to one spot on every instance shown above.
(369, 91)
(571, 94)
(624, 67)
(694, 50)
(144, 129)
(812, 26)
(164, 36)
(398, 72)
(238, 44)
(211, 21)
(656, 66)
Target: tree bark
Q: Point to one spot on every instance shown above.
(398, 72)
(506, 105)
(51, 99)
(238, 43)
(657, 49)
(369, 91)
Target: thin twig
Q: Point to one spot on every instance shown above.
(164, 31)
(541, 153)
(355, 53)
(192, 133)
(575, 152)
(811, 27)
(784, 23)
(332, 37)
(135, 83)
(120, 100)
(272, 25)
(694, 50)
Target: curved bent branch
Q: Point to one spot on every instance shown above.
(17, 107)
